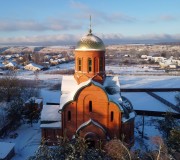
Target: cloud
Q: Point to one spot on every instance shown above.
(67, 22)
(147, 38)
(64, 39)
(78, 5)
(70, 39)
(32, 25)
(101, 16)
(164, 18)
(118, 17)
(167, 18)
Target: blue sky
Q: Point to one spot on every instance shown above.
(59, 22)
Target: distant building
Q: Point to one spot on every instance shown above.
(33, 67)
(11, 65)
(91, 105)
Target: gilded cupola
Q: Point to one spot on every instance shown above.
(90, 42)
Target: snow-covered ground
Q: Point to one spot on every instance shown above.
(150, 81)
(137, 69)
(27, 141)
(150, 130)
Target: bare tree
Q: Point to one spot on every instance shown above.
(162, 152)
(9, 87)
(117, 150)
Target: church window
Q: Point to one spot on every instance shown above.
(69, 115)
(89, 64)
(101, 64)
(112, 116)
(79, 64)
(90, 106)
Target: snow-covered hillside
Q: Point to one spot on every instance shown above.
(28, 137)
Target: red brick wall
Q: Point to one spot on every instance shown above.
(128, 132)
(84, 74)
(51, 135)
(101, 110)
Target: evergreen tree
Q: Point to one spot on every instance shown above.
(31, 112)
(174, 140)
(167, 124)
(14, 111)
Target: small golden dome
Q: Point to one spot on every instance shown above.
(90, 42)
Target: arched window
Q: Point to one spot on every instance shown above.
(112, 116)
(90, 106)
(101, 64)
(79, 64)
(69, 116)
(89, 65)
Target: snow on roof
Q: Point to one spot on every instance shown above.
(69, 88)
(131, 116)
(11, 64)
(51, 125)
(1, 65)
(50, 113)
(34, 65)
(68, 84)
(72, 90)
(169, 96)
(116, 98)
(143, 101)
(113, 82)
(5, 148)
(90, 121)
(34, 99)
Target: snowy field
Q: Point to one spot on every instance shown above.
(28, 137)
(27, 141)
(150, 81)
(137, 69)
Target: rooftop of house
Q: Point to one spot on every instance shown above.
(147, 103)
(50, 113)
(5, 149)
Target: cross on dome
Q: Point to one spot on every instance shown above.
(90, 30)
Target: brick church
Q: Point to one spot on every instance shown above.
(91, 104)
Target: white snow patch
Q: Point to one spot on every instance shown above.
(52, 125)
(50, 96)
(131, 116)
(27, 141)
(5, 148)
(50, 113)
(169, 96)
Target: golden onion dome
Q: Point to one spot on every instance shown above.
(90, 42)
